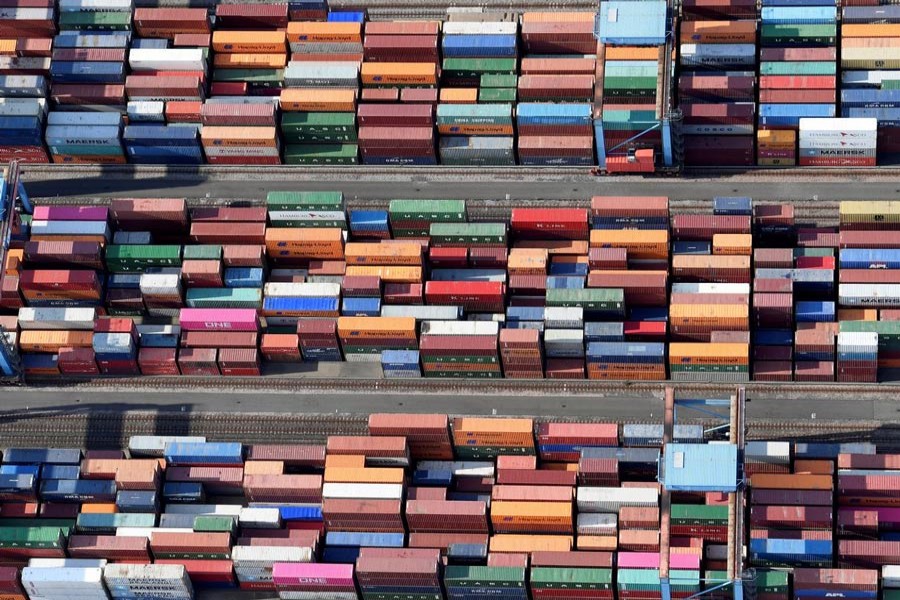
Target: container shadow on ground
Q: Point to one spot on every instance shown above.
(111, 181)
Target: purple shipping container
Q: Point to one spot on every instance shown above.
(71, 213)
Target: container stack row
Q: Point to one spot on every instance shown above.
(631, 85)
(798, 77)
(620, 291)
(717, 86)
(424, 504)
(870, 60)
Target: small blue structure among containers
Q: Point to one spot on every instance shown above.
(398, 364)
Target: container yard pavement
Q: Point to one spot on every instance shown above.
(43, 182)
(836, 406)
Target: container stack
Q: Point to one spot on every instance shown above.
(24, 79)
(628, 97)
(791, 519)
(124, 580)
(520, 351)
(413, 218)
(475, 122)
(318, 340)
(838, 142)
(773, 315)
(870, 66)
(318, 103)
(798, 71)
(460, 349)
(300, 579)
(481, 439)
(717, 87)
(363, 339)
(249, 50)
(395, 573)
(85, 137)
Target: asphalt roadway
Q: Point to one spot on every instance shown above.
(835, 406)
(52, 183)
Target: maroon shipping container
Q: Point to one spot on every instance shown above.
(116, 548)
(703, 227)
(381, 449)
(83, 95)
(790, 534)
(426, 493)
(810, 371)
(89, 54)
(450, 345)
(773, 311)
(216, 480)
(474, 296)
(141, 214)
(250, 16)
(608, 259)
(555, 146)
(162, 22)
(444, 540)
(403, 293)
(582, 559)
(488, 258)
(190, 543)
(228, 232)
(439, 516)
(721, 151)
(391, 137)
(50, 280)
(739, 88)
(792, 497)
(537, 477)
(401, 553)
(158, 361)
(792, 517)
(239, 362)
(797, 96)
(400, 48)
(380, 94)
(719, 114)
(421, 95)
(821, 237)
(773, 370)
(283, 488)
(558, 66)
(77, 361)
(556, 87)
(448, 257)
(641, 289)
(395, 115)
(868, 461)
(219, 572)
(296, 455)
(776, 353)
(219, 339)
(198, 361)
(239, 255)
(773, 258)
(797, 54)
(362, 515)
(837, 580)
(184, 87)
(559, 37)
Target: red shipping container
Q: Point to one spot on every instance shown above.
(158, 361)
(250, 16)
(448, 257)
(115, 548)
(77, 361)
(198, 361)
(239, 362)
(556, 224)
(475, 296)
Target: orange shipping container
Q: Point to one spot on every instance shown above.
(14, 259)
(857, 314)
(351, 475)
(310, 242)
(318, 100)
(345, 461)
(324, 32)
(544, 513)
(263, 467)
(51, 341)
(718, 32)
(376, 327)
(459, 95)
(357, 253)
(560, 248)
(709, 315)
(388, 274)
(870, 42)
(814, 467)
(639, 540)
(256, 42)
(530, 543)
(640, 244)
(406, 73)
(631, 53)
(875, 30)
(708, 354)
(779, 481)
(733, 244)
(99, 508)
(250, 61)
(257, 137)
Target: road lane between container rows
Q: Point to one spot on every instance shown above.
(46, 185)
(838, 406)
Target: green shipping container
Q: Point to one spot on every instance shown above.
(477, 576)
(214, 524)
(202, 252)
(223, 298)
(499, 81)
(468, 233)
(350, 349)
(95, 21)
(890, 84)
(648, 580)
(79, 150)
(321, 154)
(817, 252)
(409, 233)
(134, 258)
(469, 360)
(497, 95)
(307, 218)
(188, 555)
(44, 538)
(434, 211)
(305, 201)
(108, 522)
(606, 299)
(891, 594)
(798, 34)
(570, 578)
(798, 68)
(699, 514)
(888, 331)
(453, 68)
(464, 375)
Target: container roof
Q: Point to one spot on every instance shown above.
(700, 467)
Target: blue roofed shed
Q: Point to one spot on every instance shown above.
(641, 23)
(700, 467)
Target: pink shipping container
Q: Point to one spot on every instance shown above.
(596, 560)
(650, 560)
(218, 319)
(283, 488)
(291, 454)
(313, 577)
(216, 480)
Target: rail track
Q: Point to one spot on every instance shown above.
(108, 429)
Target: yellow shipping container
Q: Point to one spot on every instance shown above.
(777, 136)
(8, 47)
(405, 73)
(708, 354)
(868, 211)
(14, 259)
(371, 328)
(233, 136)
(733, 243)
(509, 542)
(255, 42)
(311, 242)
(318, 100)
(35, 340)
(640, 243)
(357, 253)
(356, 475)
(263, 467)
(522, 513)
(387, 273)
(598, 543)
(870, 30)
(250, 60)
(631, 53)
(527, 261)
(324, 32)
(459, 95)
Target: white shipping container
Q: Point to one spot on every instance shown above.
(857, 79)
(112, 343)
(70, 228)
(363, 491)
(57, 318)
(32, 63)
(423, 312)
(713, 53)
(843, 126)
(146, 111)
(768, 452)
(96, 5)
(597, 524)
(156, 284)
(307, 215)
(170, 520)
(317, 74)
(610, 499)
(849, 143)
(857, 341)
(497, 317)
(285, 595)
(326, 47)
(479, 28)
(155, 445)
(460, 328)
(890, 576)
(302, 290)
(554, 337)
(250, 556)
(218, 510)
(459, 468)
(710, 288)
(55, 563)
(148, 532)
(869, 294)
(261, 518)
(243, 100)
(167, 59)
(560, 317)
(23, 107)
(247, 151)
